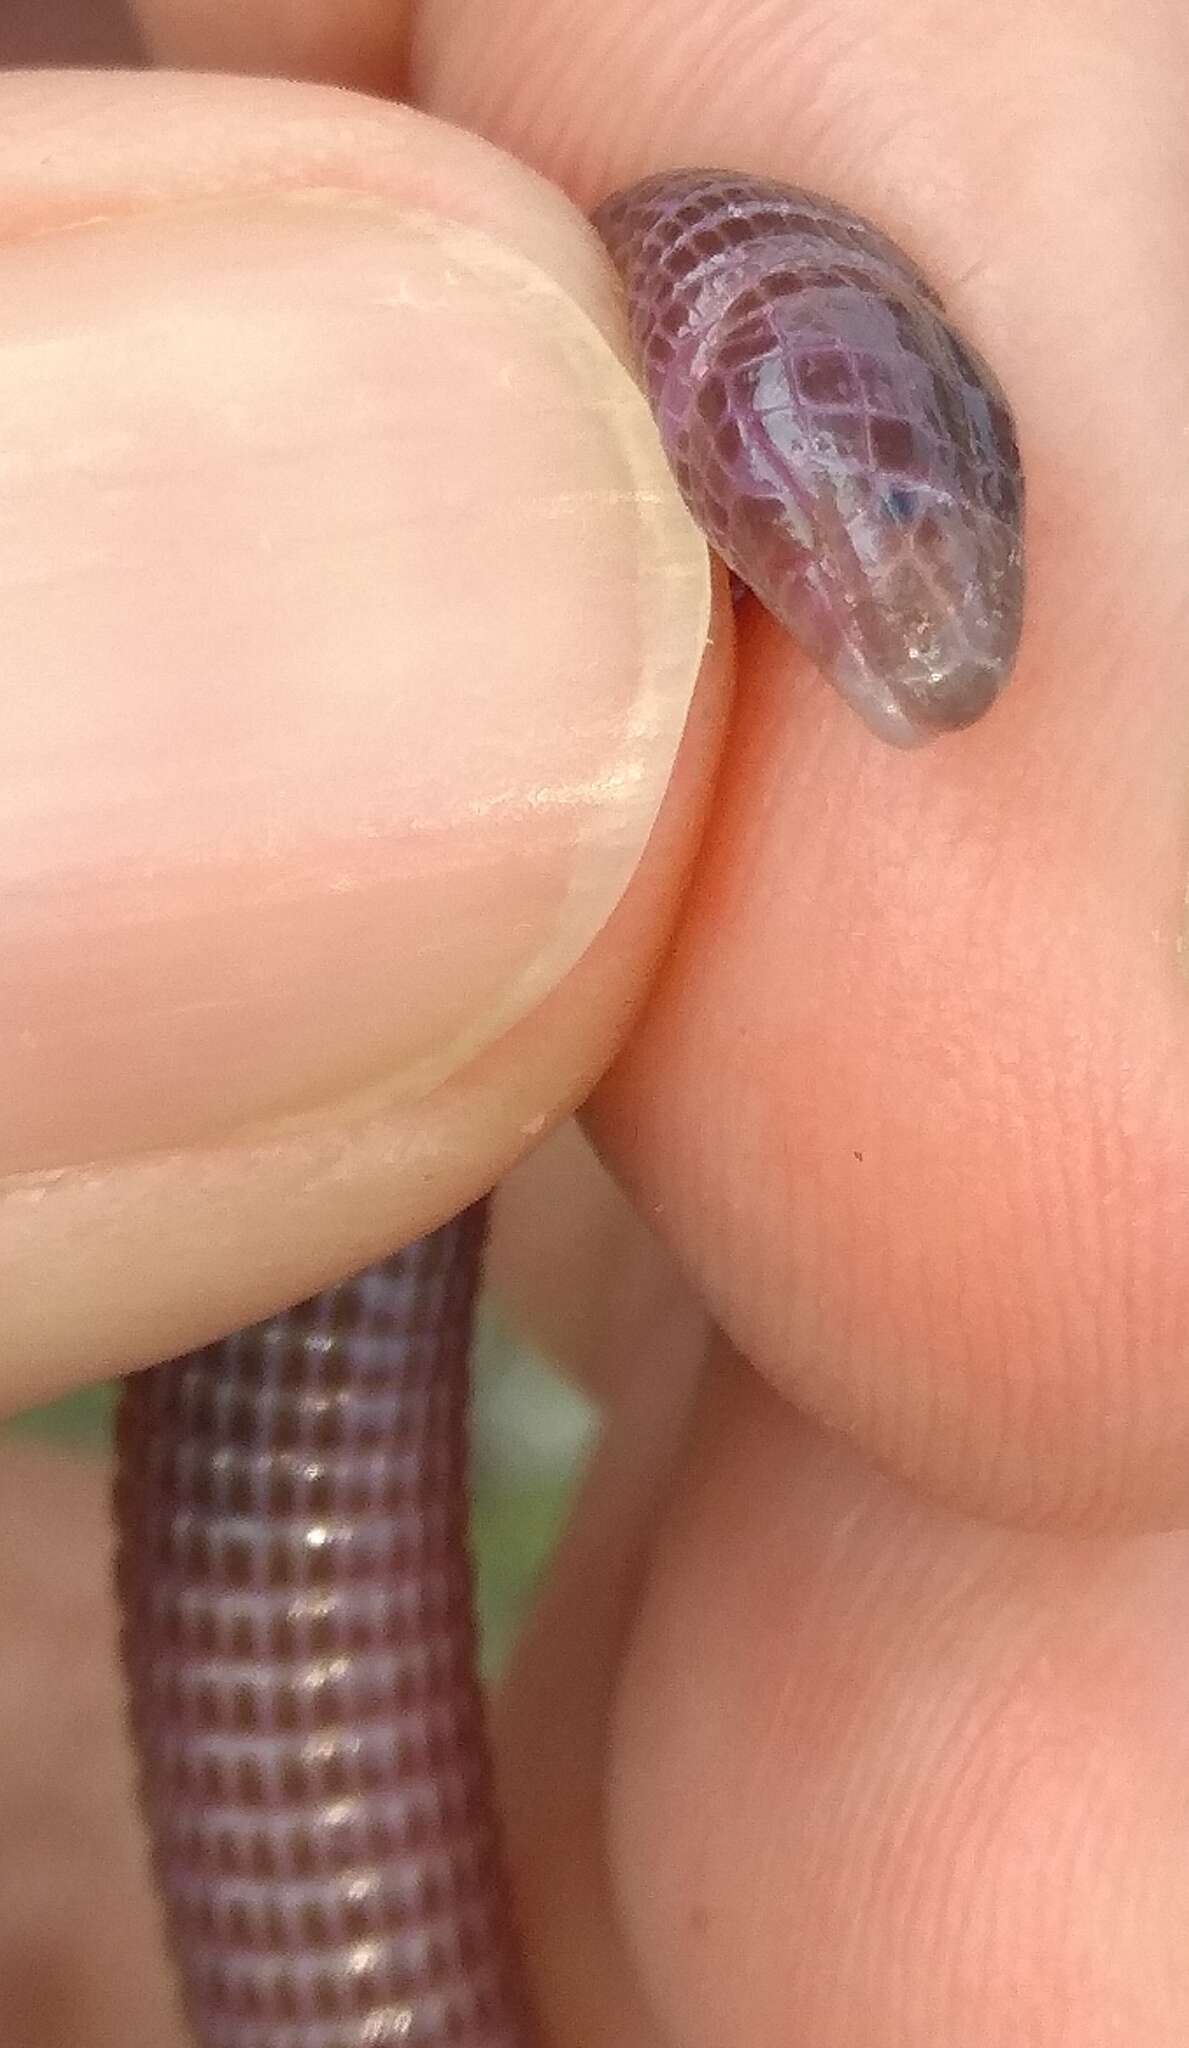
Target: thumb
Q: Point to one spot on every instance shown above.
(350, 625)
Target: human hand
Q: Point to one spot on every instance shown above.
(908, 1100)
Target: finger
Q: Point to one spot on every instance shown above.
(74, 1882)
(913, 1101)
(316, 860)
(907, 1777)
(580, 1273)
(339, 42)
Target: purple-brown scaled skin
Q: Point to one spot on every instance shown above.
(847, 454)
(293, 1568)
(299, 1644)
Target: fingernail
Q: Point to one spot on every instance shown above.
(350, 626)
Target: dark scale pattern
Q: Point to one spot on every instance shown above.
(847, 454)
(299, 1644)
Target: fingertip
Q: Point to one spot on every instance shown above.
(353, 694)
(910, 1103)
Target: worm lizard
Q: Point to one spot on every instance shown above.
(293, 1571)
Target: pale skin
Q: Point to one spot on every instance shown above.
(856, 1708)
